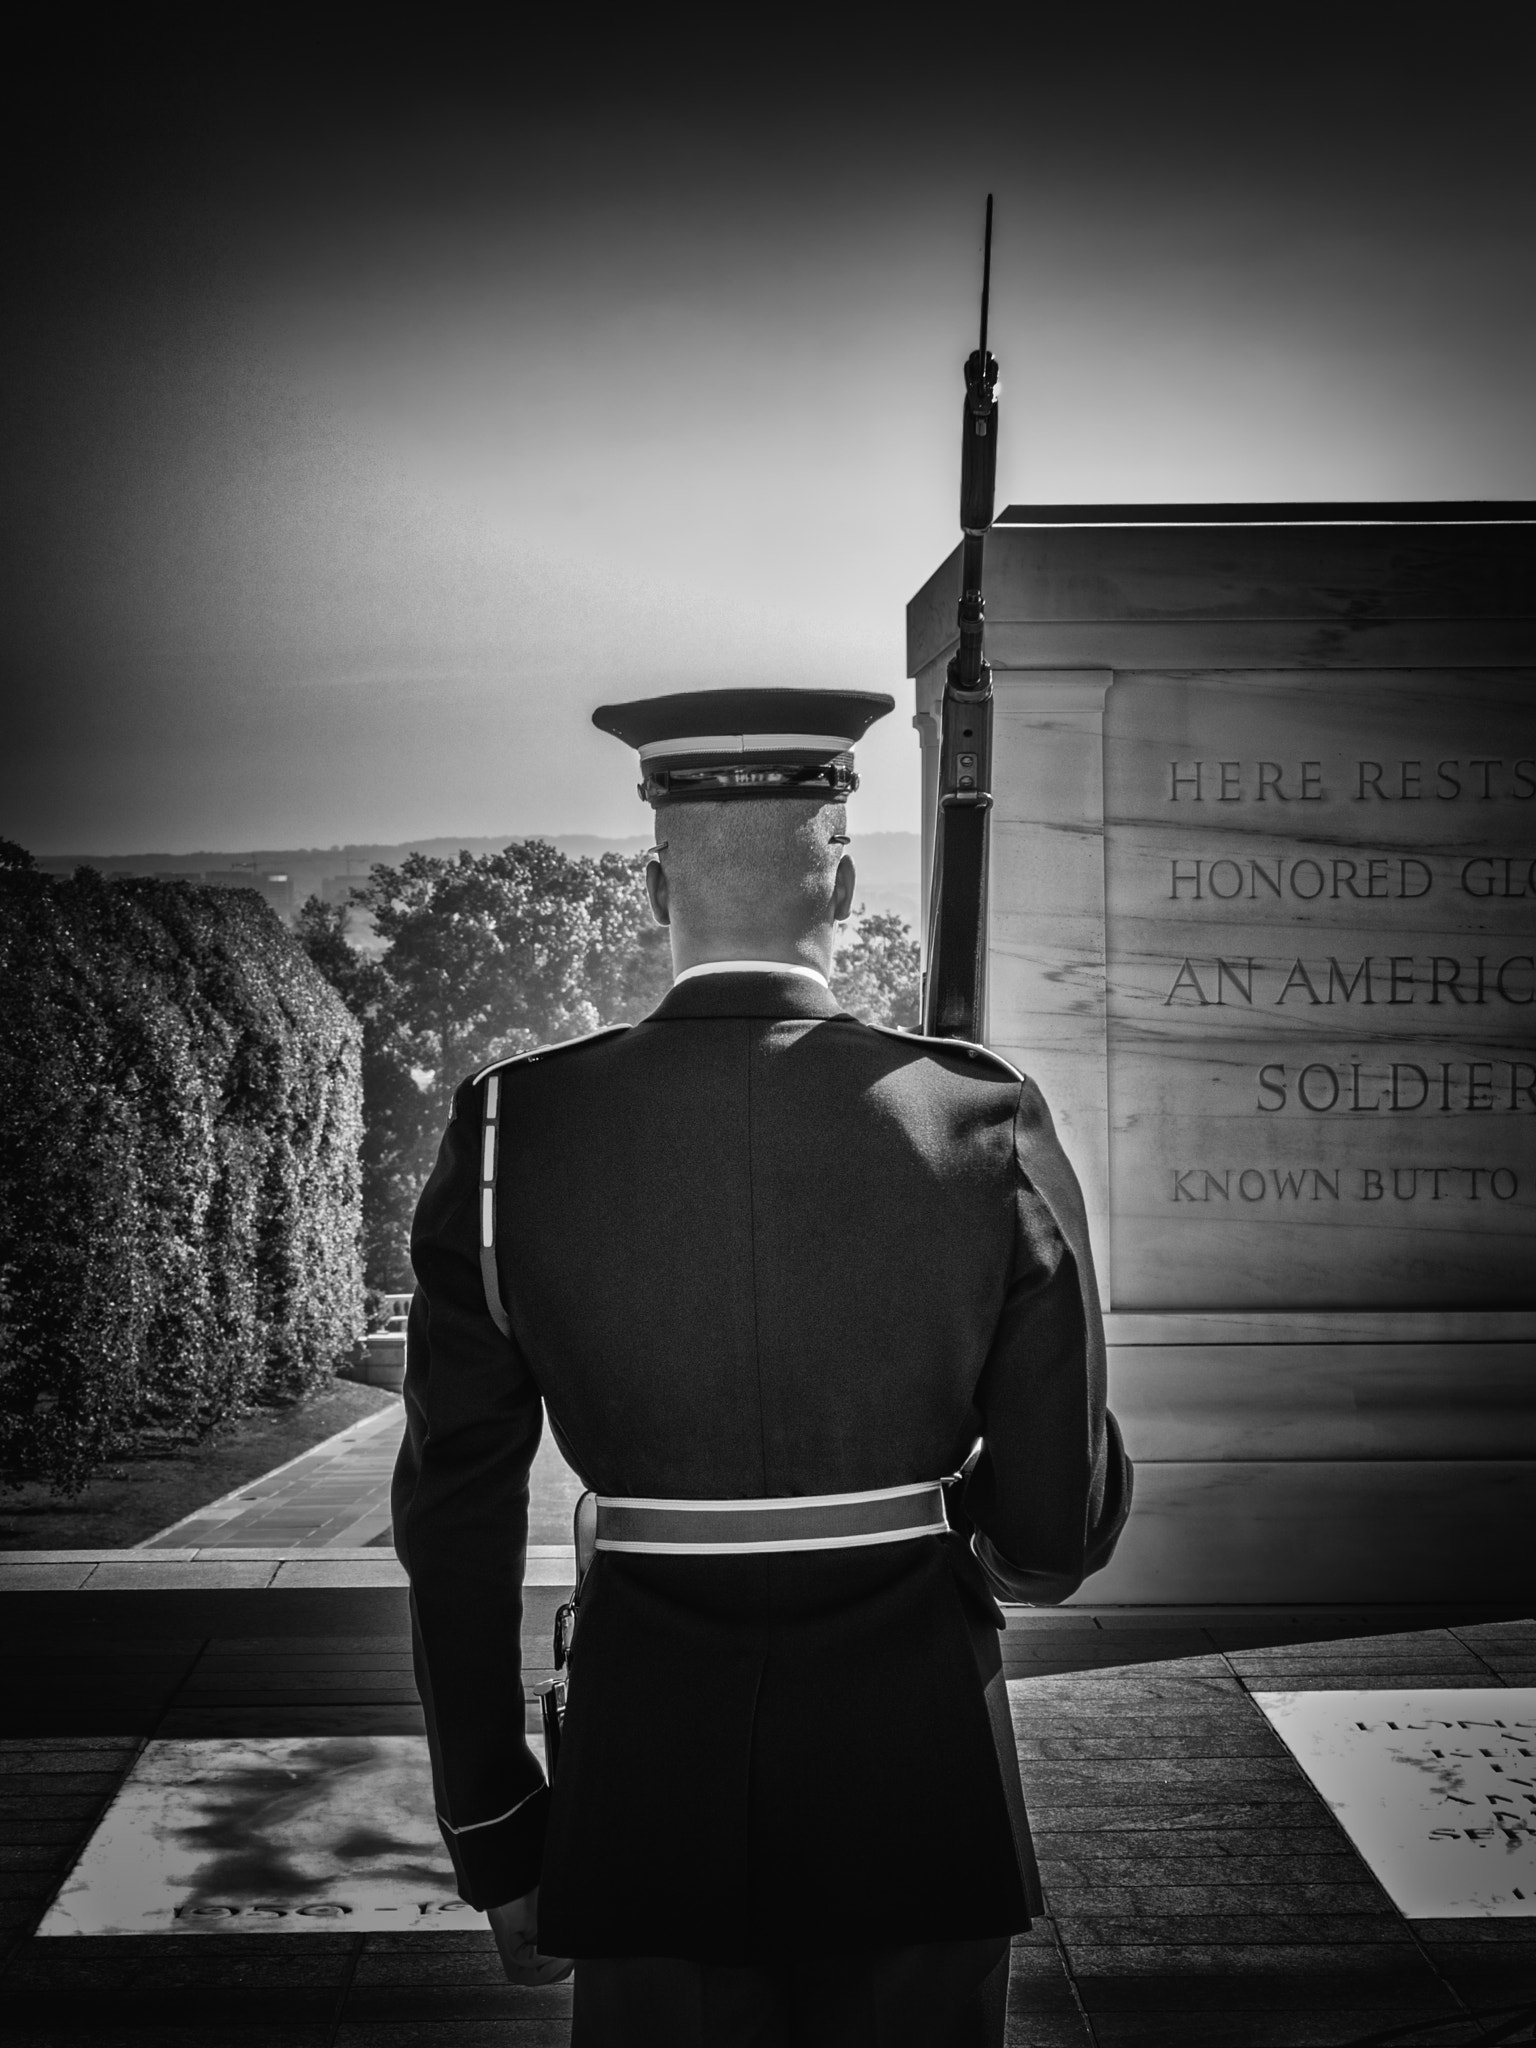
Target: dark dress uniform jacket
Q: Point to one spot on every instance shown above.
(752, 1247)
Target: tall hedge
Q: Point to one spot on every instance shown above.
(180, 1118)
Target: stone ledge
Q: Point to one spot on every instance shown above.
(217, 1569)
(1271, 1327)
(553, 1566)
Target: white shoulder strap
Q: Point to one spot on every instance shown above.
(490, 1150)
(489, 1142)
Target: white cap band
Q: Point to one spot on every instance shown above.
(717, 744)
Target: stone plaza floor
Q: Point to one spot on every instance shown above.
(1199, 1889)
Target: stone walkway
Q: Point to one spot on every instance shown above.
(1199, 1890)
(335, 1497)
(334, 1494)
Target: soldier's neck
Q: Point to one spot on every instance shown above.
(703, 949)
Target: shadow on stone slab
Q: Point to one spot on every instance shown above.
(68, 2010)
(211, 1723)
(1046, 2030)
(513, 2033)
(400, 2004)
(1045, 1989)
(1249, 1978)
(1121, 1863)
(1170, 1900)
(1178, 1933)
(236, 2033)
(1492, 1978)
(42, 1965)
(425, 1964)
(1328, 2028)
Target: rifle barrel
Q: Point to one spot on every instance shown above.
(954, 993)
(986, 276)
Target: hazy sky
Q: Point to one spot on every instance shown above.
(364, 437)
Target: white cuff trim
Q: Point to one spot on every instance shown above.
(470, 1826)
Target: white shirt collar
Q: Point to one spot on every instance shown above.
(750, 967)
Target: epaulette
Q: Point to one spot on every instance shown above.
(490, 1152)
(979, 1053)
(541, 1052)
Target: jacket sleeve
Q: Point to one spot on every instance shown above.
(1051, 1490)
(472, 1423)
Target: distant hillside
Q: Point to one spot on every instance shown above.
(888, 863)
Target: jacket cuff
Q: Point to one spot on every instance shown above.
(1013, 1583)
(498, 1860)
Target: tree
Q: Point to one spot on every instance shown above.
(488, 955)
(877, 972)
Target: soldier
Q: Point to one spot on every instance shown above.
(811, 1308)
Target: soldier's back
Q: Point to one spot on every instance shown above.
(757, 1252)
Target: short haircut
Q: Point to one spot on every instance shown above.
(750, 859)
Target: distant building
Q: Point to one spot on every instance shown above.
(275, 889)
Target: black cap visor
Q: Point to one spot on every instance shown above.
(679, 781)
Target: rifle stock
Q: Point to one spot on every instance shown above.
(954, 991)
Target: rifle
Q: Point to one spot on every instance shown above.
(955, 986)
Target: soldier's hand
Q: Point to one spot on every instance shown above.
(516, 1928)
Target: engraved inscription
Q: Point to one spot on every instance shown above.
(1321, 955)
(1473, 1087)
(1338, 878)
(1479, 778)
(1392, 979)
(1361, 1184)
(1435, 1789)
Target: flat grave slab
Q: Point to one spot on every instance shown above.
(1436, 1789)
(282, 1835)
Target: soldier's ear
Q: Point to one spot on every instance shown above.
(843, 886)
(656, 889)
